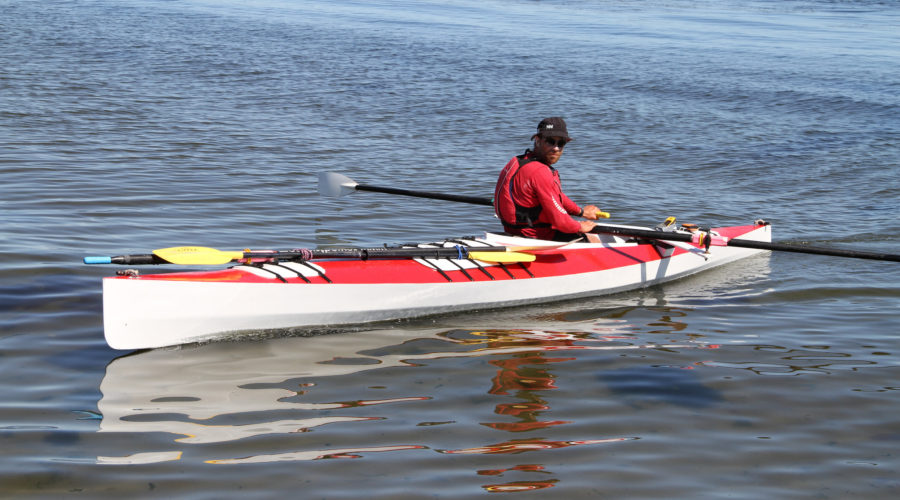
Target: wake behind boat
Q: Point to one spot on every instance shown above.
(297, 290)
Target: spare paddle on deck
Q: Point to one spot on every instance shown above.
(192, 255)
(705, 239)
(334, 185)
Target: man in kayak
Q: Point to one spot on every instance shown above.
(528, 197)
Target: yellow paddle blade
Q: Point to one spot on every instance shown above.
(502, 256)
(190, 256)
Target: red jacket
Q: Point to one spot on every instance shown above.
(530, 202)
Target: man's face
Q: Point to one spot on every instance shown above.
(549, 149)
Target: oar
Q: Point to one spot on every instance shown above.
(332, 184)
(704, 238)
(335, 185)
(193, 255)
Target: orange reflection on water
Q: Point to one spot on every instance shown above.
(516, 375)
(515, 446)
(525, 468)
(520, 373)
(520, 486)
(526, 375)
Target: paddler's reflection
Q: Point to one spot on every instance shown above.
(526, 376)
(522, 376)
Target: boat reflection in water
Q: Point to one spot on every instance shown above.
(177, 391)
(225, 392)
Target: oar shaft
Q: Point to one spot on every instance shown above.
(126, 260)
(834, 252)
(642, 233)
(761, 245)
(369, 253)
(477, 200)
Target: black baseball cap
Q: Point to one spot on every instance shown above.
(552, 127)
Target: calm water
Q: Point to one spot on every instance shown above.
(128, 126)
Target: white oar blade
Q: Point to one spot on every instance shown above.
(332, 184)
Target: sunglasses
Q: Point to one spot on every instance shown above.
(559, 143)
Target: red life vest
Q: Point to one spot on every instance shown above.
(517, 204)
(513, 215)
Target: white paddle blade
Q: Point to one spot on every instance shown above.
(332, 184)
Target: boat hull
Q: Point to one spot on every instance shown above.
(159, 310)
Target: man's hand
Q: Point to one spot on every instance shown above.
(594, 213)
(586, 226)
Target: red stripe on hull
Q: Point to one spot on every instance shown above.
(554, 262)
